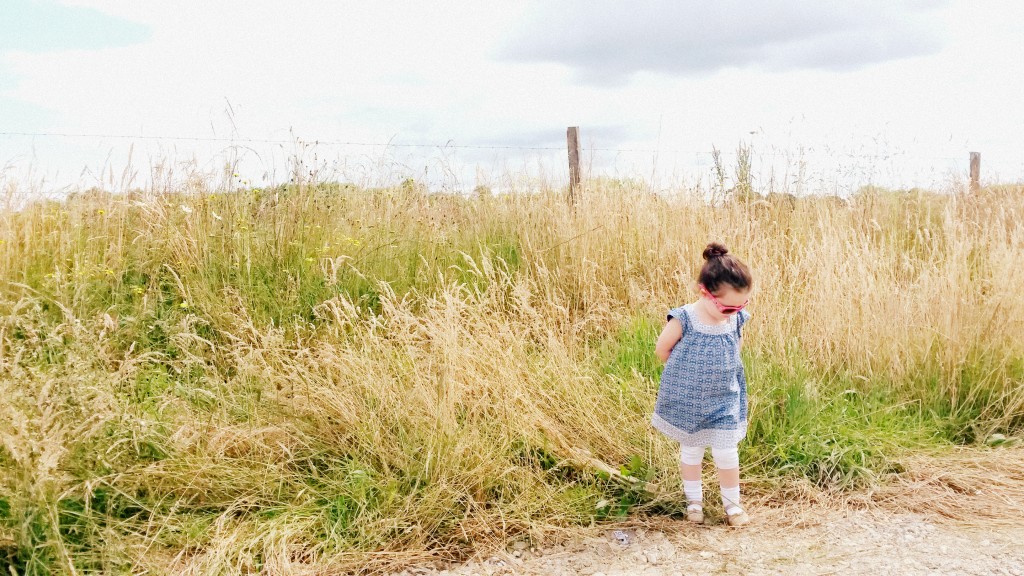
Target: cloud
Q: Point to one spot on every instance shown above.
(607, 41)
(38, 26)
(45, 27)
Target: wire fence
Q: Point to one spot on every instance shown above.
(122, 161)
(391, 144)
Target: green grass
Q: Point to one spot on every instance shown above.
(332, 373)
(832, 429)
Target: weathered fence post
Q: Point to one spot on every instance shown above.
(975, 171)
(572, 136)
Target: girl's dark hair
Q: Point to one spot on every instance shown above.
(723, 268)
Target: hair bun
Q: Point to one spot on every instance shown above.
(715, 250)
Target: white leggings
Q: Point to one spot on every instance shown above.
(725, 458)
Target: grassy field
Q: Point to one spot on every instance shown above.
(310, 376)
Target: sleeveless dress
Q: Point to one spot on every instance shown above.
(702, 399)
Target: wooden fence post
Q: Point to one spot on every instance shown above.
(572, 136)
(975, 171)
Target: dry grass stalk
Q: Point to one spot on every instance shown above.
(306, 377)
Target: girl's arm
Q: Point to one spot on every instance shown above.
(670, 335)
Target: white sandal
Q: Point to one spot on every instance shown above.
(695, 512)
(735, 515)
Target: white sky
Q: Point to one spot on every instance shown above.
(918, 83)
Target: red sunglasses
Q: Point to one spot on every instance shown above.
(722, 307)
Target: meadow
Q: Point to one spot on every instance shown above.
(312, 376)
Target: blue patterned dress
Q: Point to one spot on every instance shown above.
(702, 399)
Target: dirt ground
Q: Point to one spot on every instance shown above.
(954, 514)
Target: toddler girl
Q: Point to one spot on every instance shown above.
(702, 400)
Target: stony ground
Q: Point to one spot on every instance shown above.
(858, 542)
(956, 516)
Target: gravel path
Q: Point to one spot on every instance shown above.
(859, 542)
(953, 529)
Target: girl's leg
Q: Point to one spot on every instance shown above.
(728, 462)
(689, 465)
(690, 458)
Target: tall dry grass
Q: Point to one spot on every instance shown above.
(322, 376)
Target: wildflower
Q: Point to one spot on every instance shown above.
(108, 271)
(138, 290)
(183, 305)
(101, 212)
(310, 259)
